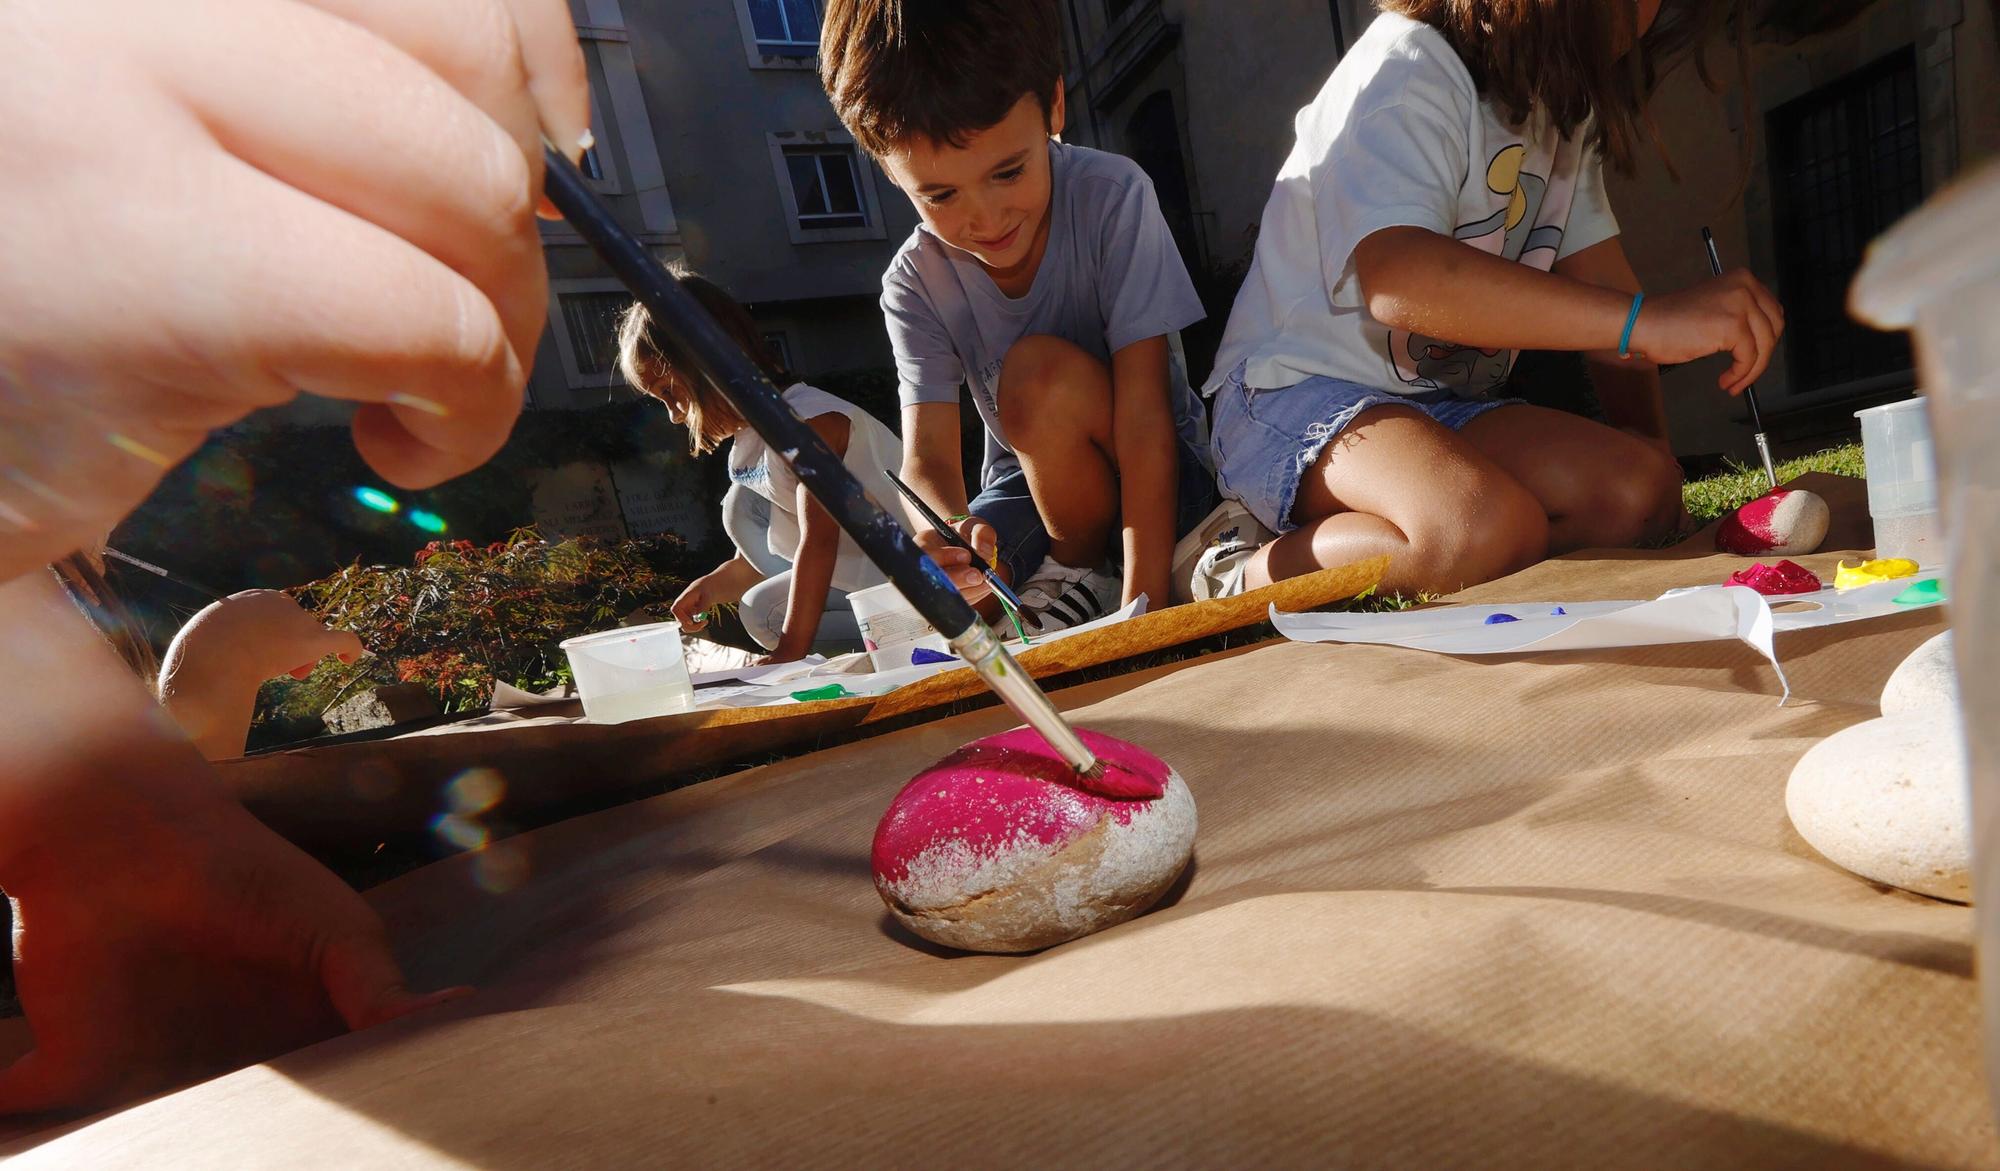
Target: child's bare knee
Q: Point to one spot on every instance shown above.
(1510, 534)
(1507, 532)
(1644, 500)
(1045, 380)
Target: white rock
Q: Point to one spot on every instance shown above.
(1890, 800)
(1925, 682)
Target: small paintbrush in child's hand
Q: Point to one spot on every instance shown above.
(952, 538)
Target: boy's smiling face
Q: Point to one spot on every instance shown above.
(990, 197)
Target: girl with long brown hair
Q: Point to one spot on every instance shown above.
(1443, 209)
(793, 568)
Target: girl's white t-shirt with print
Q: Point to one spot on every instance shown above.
(872, 452)
(1400, 137)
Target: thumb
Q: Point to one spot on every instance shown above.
(366, 985)
(33, 1085)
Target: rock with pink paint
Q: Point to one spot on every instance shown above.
(999, 848)
(1788, 522)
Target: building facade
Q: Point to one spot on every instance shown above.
(716, 144)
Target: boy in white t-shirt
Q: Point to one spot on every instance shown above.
(1444, 207)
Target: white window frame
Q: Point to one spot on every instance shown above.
(865, 178)
(757, 57)
(602, 131)
(627, 149)
(573, 375)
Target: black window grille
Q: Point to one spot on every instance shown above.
(592, 322)
(1847, 162)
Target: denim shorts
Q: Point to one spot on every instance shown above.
(1007, 505)
(1264, 441)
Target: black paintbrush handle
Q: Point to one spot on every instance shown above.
(698, 344)
(1749, 392)
(943, 527)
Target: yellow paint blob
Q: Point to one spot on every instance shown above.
(1869, 572)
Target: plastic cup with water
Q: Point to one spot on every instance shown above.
(631, 673)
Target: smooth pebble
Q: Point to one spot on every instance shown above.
(1925, 682)
(1889, 800)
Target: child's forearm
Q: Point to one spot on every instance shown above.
(735, 577)
(812, 579)
(932, 465)
(1417, 280)
(1145, 442)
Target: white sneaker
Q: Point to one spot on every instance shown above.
(1058, 597)
(1209, 562)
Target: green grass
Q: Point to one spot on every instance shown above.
(1718, 494)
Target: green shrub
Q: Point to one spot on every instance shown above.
(463, 616)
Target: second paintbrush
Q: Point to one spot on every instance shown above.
(952, 538)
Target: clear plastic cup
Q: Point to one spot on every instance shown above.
(631, 673)
(1902, 481)
(891, 628)
(1939, 271)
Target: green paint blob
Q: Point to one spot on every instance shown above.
(1924, 593)
(831, 691)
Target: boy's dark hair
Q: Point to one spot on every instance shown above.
(936, 69)
(1558, 57)
(644, 362)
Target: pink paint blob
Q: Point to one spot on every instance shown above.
(996, 792)
(1786, 577)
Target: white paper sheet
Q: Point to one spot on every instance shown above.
(1702, 614)
(780, 688)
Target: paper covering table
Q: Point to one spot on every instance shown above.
(1515, 912)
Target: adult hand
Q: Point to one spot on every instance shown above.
(235, 200)
(956, 563)
(162, 934)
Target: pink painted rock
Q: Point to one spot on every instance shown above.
(1788, 522)
(995, 848)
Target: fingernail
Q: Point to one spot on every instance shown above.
(436, 999)
(16, 520)
(419, 403)
(138, 450)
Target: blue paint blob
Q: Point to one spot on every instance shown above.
(924, 656)
(1498, 619)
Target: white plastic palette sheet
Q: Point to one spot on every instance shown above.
(1701, 614)
(766, 686)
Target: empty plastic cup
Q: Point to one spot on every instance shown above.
(1902, 481)
(631, 673)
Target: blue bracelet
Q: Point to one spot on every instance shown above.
(1625, 342)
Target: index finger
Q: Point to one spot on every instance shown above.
(558, 79)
